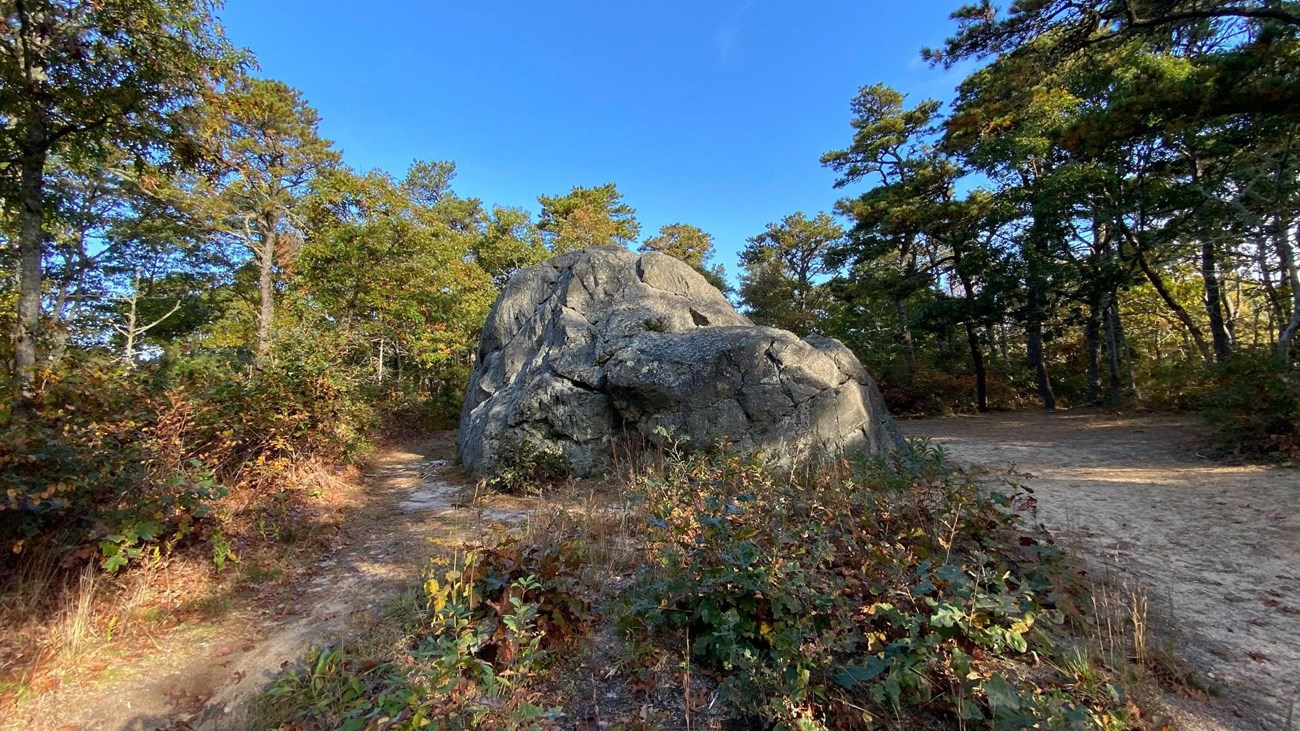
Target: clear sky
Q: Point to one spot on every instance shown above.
(708, 113)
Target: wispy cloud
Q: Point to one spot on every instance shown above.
(727, 40)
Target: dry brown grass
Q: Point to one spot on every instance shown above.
(67, 625)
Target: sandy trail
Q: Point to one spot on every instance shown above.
(1216, 546)
(203, 677)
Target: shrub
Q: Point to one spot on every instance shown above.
(528, 466)
(1255, 407)
(96, 464)
(491, 620)
(112, 462)
(899, 591)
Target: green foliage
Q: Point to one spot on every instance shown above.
(394, 265)
(690, 244)
(306, 402)
(587, 217)
(510, 241)
(97, 467)
(528, 466)
(780, 285)
(1255, 407)
(490, 623)
(901, 592)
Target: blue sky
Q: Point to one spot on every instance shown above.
(709, 113)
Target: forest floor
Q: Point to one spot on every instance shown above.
(1215, 546)
(202, 675)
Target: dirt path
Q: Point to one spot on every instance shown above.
(201, 677)
(1216, 546)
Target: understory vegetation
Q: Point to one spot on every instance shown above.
(714, 592)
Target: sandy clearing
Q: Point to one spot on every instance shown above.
(1217, 546)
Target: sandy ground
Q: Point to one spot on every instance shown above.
(1216, 546)
(203, 677)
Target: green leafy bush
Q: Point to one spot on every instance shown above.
(897, 591)
(525, 466)
(490, 622)
(1255, 407)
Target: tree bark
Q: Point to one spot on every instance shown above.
(266, 287)
(31, 247)
(1039, 363)
(977, 362)
(1214, 302)
(905, 332)
(1092, 338)
(1034, 328)
(1286, 252)
(1114, 344)
(1276, 309)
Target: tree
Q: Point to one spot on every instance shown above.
(272, 151)
(510, 241)
(107, 221)
(892, 146)
(77, 76)
(689, 244)
(780, 285)
(394, 266)
(1239, 56)
(587, 217)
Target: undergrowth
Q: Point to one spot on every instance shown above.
(889, 594)
(487, 626)
(162, 475)
(895, 592)
(1255, 407)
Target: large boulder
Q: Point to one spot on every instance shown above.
(601, 344)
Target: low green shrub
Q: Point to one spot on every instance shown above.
(897, 591)
(1254, 408)
(526, 466)
(488, 626)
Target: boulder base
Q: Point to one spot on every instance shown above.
(599, 345)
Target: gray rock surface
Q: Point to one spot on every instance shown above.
(598, 345)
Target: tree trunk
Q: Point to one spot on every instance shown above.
(977, 362)
(31, 245)
(130, 331)
(1286, 252)
(58, 336)
(1092, 337)
(1004, 349)
(1039, 363)
(1214, 302)
(1114, 345)
(905, 332)
(1034, 328)
(1276, 309)
(1179, 311)
(972, 336)
(266, 287)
